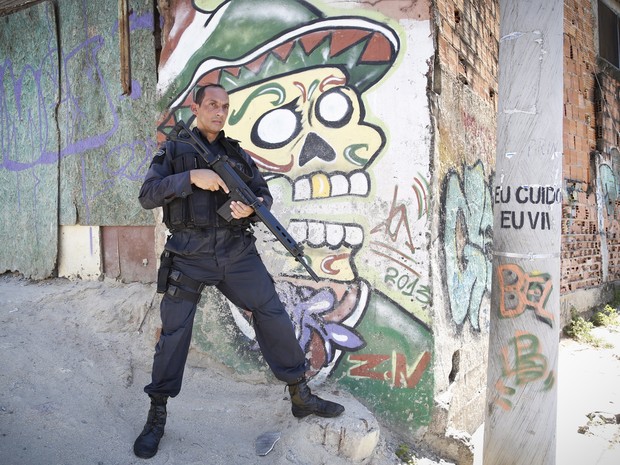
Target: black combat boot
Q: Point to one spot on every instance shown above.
(146, 444)
(304, 402)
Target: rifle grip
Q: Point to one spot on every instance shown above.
(224, 210)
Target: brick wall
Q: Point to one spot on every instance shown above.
(581, 265)
(606, 108)
(607, 163)
(589, 258)
(579, 68)
(468, 42)
(581, 246)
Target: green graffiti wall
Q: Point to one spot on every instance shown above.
(331, 104)
(29, 175)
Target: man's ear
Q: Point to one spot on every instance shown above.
(194, 108)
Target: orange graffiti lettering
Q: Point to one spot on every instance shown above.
(519, 291)
(365, 370)
(505, 404)
(403, 374)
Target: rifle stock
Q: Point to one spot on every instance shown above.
(239, 191)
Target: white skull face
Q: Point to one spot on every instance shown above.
(308, 130)
(305, 123)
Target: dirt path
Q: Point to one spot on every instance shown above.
(75, 356)
(73, 366)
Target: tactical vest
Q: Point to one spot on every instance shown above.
(199, 209)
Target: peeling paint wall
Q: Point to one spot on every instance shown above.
(75, 147)
(29, 176)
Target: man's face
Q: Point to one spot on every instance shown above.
(211, 112)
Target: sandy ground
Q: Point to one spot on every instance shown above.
(74, 357)
(588, 420)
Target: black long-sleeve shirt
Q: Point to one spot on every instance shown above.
(167, 184)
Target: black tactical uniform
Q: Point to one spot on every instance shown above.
(206, 250)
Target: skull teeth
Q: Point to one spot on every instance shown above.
(322, 185)
(332, 235)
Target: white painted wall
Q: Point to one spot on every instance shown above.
(79, 252)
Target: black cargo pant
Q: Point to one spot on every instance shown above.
(226, 259)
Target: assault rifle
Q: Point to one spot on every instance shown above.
(239, 191)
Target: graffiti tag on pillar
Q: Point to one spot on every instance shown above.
(399, 373)
(522, 363)
(520, 291)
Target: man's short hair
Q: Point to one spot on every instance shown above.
(199, 91)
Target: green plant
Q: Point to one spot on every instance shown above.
(405, 455)
(608, 316)
(615, 303)
(581, 331)
(578, 328)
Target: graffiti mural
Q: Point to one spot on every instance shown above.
(298, 81)
(607, 200)
(467, 236)
(608, 169)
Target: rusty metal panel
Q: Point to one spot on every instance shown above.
(129, 253)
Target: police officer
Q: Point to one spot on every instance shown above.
(204, 249)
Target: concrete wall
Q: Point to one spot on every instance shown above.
(590, 255)
(464, 89)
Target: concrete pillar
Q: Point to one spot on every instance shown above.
(520, 427)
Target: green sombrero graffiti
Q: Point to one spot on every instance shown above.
(245, 42)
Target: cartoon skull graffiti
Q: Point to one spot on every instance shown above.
(296, 80)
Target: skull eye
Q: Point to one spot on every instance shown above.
(334, 109)
(277, 127)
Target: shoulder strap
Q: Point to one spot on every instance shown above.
(239, 162)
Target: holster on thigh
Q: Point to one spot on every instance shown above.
(165, 266)
(191, 289)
